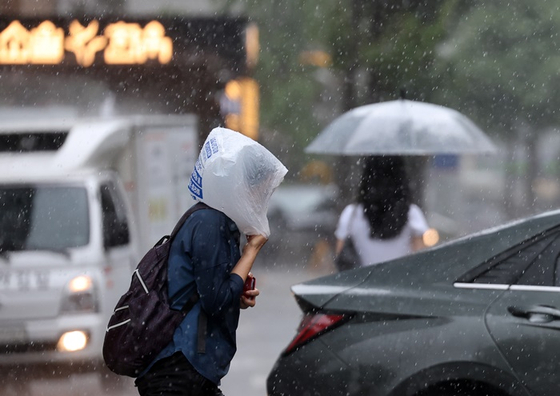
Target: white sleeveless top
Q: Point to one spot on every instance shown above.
(373, 250)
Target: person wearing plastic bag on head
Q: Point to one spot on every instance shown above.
(383, 224)
(234, 177)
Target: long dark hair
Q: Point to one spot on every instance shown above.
(385, 194)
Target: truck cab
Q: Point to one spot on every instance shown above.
(69, 240)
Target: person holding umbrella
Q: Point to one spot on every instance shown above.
(383, 223)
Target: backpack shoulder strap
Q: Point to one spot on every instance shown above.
(192, 209)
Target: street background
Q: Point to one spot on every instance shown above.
(315, 62)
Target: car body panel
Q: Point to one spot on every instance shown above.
(388, 366)
(424, 320)
(457, 371)
(330, 378)
(530, 344)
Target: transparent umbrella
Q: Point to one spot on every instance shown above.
(401, 127)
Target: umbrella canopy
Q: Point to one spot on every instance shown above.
(401, 127)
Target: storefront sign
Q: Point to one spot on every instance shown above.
(120, 43)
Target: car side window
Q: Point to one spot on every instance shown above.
(541, 272)
(557, 272)
(115, 224)
(530, 263)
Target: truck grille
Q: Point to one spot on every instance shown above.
(27, 347)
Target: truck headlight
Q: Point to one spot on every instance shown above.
(72, 341)
(80, 296)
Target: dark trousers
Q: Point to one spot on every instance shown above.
(175, 376)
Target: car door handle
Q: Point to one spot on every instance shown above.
(536, 313)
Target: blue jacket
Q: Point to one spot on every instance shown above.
(202, 256)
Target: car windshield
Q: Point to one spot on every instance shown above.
(43, 218)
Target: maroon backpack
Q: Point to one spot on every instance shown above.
(143, 322)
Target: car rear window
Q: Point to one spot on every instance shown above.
(533, 262)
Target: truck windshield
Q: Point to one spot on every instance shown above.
(43, 218)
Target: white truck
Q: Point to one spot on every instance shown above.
(80, 201)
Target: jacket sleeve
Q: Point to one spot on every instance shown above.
(214, 252)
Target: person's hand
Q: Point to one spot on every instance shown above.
(254, 242)
(249, 298)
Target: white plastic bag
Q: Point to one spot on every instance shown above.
(237, 176)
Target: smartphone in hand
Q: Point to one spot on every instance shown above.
(250, 284)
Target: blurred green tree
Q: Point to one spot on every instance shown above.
(390, 46)
(290, 85)
(500, 65)
(376, 48)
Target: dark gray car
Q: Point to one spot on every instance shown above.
(477, 316)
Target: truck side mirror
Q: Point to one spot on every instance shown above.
(115, 232)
